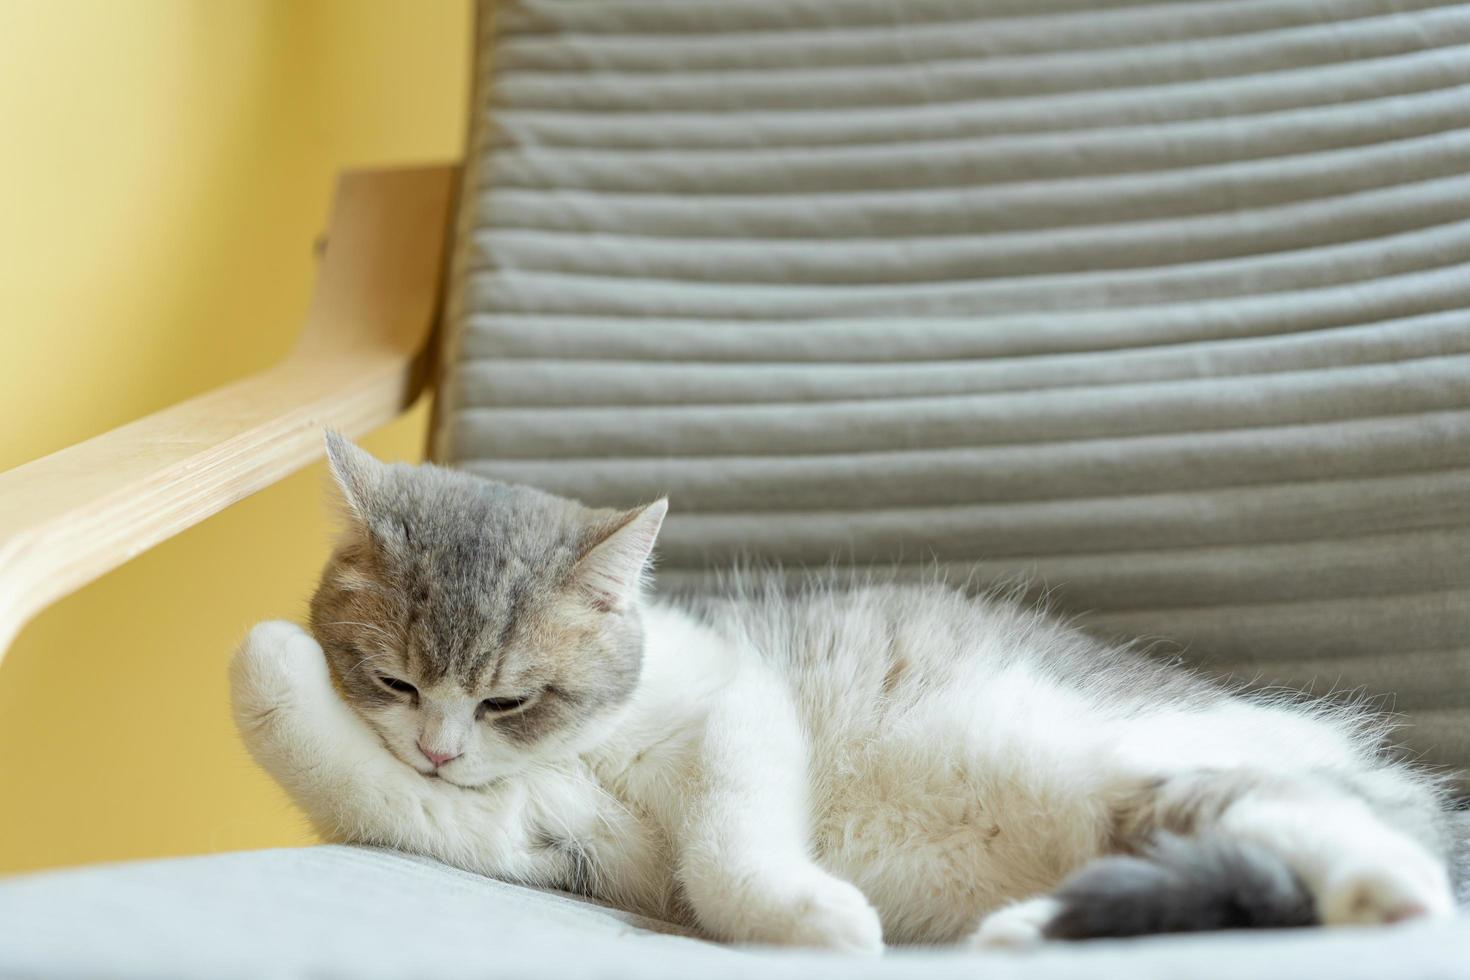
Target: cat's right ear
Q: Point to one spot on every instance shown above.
(357, 473)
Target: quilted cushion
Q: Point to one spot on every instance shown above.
(1160, 307)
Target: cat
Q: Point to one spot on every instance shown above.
(485, 682)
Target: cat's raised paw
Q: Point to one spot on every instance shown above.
(1401, 887)
(277, 661)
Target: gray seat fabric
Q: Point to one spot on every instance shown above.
(326, 912)
(1160, 306)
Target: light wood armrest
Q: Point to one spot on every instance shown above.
(363, 357)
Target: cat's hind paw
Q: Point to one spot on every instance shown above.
(1400, 885)
(1016, 926)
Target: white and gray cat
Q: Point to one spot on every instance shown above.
(485, 683)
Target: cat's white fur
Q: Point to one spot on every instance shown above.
(753, 795)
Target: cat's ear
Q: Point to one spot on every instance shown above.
(611, 572)
(357, 473)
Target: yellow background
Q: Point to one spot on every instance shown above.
(166, 165)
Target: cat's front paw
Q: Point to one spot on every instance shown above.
(277, 664)
(1401, 883)
(819, 911)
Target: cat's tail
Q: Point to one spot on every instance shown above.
(1181, 884)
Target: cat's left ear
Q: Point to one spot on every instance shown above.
(611, 573)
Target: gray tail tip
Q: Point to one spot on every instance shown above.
(1178, 884)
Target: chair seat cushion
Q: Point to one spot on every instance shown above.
(357, 912)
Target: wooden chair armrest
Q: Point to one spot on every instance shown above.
(363, 357)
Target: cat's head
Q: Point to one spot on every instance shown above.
(479, 627)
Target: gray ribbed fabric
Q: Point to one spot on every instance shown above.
(1162, 306)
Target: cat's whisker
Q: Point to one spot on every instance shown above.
(370, 627)
(370, 658)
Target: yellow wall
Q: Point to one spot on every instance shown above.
(164, 168)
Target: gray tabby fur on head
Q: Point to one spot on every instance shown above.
(477, 626)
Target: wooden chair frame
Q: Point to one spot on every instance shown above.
(365, 353)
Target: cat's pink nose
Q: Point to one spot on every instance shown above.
(437, 758)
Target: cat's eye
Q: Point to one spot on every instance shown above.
(496, 706)
(397, 686)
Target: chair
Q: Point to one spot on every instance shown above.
(1159, 308)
